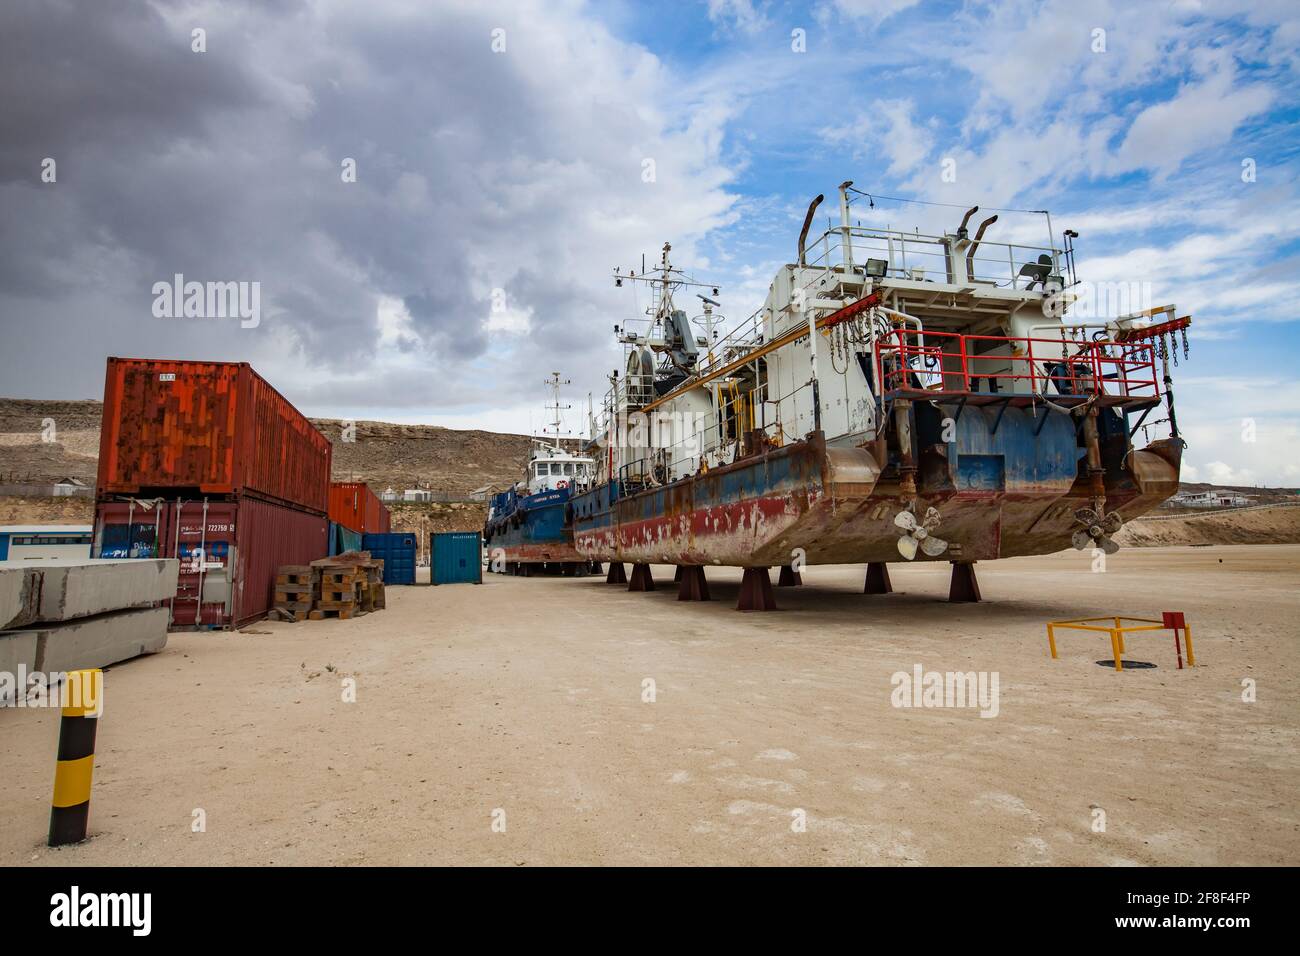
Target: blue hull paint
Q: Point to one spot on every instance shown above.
(531, 528)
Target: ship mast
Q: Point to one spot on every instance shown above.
(554, 383)
(663, 280)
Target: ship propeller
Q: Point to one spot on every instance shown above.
(919, 535)
(1096, 530)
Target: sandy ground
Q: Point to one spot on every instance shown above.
(525, 696)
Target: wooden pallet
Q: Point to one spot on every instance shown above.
(295, 575)
(342, 613)
(343, 577)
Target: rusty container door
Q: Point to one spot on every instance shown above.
(168, 425)
(203, 536)
(194, 429)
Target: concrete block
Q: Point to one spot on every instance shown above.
(101, 640)
(17, 648)
(68, 588)
(20, 595)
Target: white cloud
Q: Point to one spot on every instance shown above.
(1201, 116)
(887, 128)
(1240, 431)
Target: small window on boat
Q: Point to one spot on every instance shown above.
(568, 467)
(542, 469)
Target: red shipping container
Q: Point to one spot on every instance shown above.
(229, 551)
(357, 508)
(207, 428)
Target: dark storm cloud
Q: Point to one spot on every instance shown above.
(475, 171)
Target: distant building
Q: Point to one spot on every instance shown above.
(487, 491)
(41, 542)
(417, 494)
(388, 494)
(1214, 498)
(68, 487)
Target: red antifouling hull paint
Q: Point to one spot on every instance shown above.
(175, 428)
(229, 551)
(357, 508)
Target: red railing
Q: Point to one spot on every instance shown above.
(907, 360)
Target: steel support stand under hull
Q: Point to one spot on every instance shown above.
(877, 579)
(756, 591)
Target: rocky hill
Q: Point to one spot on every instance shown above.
(42, 442)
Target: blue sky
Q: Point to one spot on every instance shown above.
(500, 148)
(1135, 137)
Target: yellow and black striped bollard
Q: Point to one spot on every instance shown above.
(70, 809)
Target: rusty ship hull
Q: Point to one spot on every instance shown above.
(1007, 485)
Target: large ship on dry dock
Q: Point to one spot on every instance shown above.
(898, 396)
(529, 526)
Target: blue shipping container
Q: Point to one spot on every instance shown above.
(456, 557)
(397, 549)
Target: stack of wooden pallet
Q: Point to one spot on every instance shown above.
(295, 591)
(342, 586)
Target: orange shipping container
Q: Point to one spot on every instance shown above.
(357, 508)
(212, 428)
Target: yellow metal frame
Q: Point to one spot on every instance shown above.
(1117, 629)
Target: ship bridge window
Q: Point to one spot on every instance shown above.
(568, 467)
